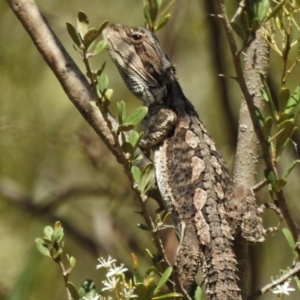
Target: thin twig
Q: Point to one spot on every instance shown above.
(276, 282)
(259, 185)
(65, 275)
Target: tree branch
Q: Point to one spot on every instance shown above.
(79, 92)
(276, 282)
(256, 61)
(249, 98)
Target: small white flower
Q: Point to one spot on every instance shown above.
(110, 284)
(105, 263)
(117, 271)
(283, 289)
(128, 293)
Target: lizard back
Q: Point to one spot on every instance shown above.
(192, 176)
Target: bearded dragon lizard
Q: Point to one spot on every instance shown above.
(192, 176)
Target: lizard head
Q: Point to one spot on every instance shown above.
(141, 61)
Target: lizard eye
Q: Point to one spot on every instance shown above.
(136, 37)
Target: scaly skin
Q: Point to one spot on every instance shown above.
(191, 174)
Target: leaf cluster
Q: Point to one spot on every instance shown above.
(146, 287)
(253, 16)
(154, 19)
(279, 127)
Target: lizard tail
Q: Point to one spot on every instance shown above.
(219, 270)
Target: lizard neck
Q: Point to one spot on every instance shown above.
(176, 100)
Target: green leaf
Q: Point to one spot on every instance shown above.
(102, 26)
(48, 231)
(58, 233)
(126, 127)
(267, 96)
(147, 15)
(285, 130)
(72, 262)
(166, 217)
(108, 93)
(81, 292)
(238, 30)
(137, 116)
(56, 253)
(169, 295)
(90, 36)
(164, 278)
(137, 278)
(103, 83)
(138, 157)
(73, 291)
(263, 8)
(284, 116)
(151, 272)
(162, 21)
(100, 47)
(290, 240)
(198, 293)
(73, 34)
(42, 247)
(297, 282)
(89, 286)
(290, 168)
(260, 117)
(158, 3)
(136, 173)
(149, 282)
(267, 128)
(133, 138)
(122, 112)
(293, 101)
(82, 23)
(147, 178)
(100, 71)
(283, 98)
(276, 9)
(270, 176)
(152, 7)
(127, 148)
(135, 260)
(280, 183)
(165, 11)
(143, 227)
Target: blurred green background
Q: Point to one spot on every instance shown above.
(54, 167)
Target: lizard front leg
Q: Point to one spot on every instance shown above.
(157, 125)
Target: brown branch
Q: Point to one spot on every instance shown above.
(249, 98)
(78, 90)
(256, 61)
